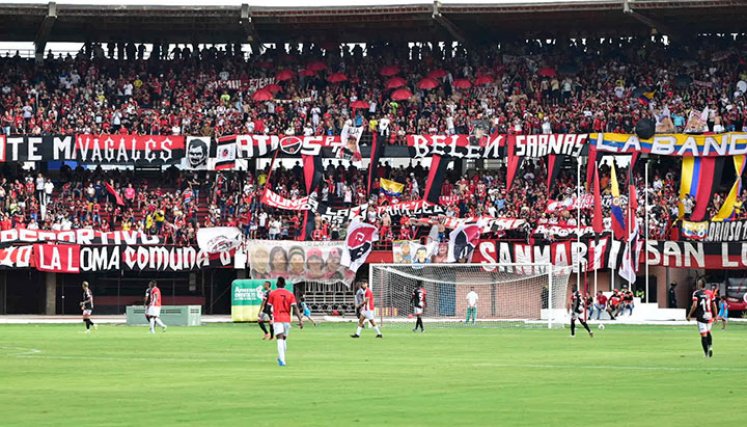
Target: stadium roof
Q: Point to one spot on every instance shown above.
(418, 21)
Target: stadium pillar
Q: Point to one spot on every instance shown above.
(50, 282)
(42, 35)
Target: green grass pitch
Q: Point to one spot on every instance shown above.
(54, 375)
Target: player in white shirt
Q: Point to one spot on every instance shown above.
(472, 299)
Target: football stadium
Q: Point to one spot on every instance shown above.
(399, 212)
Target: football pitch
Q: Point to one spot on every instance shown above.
(226, 375)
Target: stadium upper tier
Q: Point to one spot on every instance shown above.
(394, 89)
(356, 23)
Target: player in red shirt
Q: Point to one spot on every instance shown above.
(364, 302)
(153, 311)
(282, 301)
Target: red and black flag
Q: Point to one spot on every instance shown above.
(554, 162)
(436, 178)
(313, 172)
(373, 168)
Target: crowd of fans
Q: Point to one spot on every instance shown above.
(528, 87)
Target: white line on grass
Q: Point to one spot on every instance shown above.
(18, 351)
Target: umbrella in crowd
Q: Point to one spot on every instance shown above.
(337, 77)
(389, 70)
(546, 72)
(461, 84)
(438, 73)
(272, 88)
(395, 82)
(427, 83)
(262, 95)
(485, 79)
(359, 104)
(284, 75)
(316, 66)
(401, 94)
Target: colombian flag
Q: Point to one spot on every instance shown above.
(391, 188)
(616, 212)
(726, 212)
(646, 97)
(700, 175)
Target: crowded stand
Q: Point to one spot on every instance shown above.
(516, 88)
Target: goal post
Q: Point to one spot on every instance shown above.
(529, 293)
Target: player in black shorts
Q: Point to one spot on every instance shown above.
(577, 313)
(418, 303)
(265, 312)
(86, 306)
(703, 307)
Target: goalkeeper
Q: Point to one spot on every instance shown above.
(418, 303)
(472, 299)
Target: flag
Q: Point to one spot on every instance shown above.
(513, 163)
(219, 239)
(694, 230)
(462, 242)
(358, 244)
(391, 188)
(554, 161)
(198, 153)
(646, 97)
(115, 193)
(597, 222)
(700, 176)
(436, 178)
(616, 212)
(727, 208)
(225, 154)
(631, 255)
(373, 168)
(313, 172)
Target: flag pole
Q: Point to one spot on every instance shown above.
(630, 217)
(578, 222)
(645, 247)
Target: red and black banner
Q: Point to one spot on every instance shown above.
(607, 253)
(102, 149)
(373, 168)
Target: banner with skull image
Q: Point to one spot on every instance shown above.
(198, 153)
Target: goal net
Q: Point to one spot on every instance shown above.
(528, 293)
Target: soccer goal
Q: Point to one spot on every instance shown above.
(528, 293)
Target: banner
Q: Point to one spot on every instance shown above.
(715, 231)
(349, 149)
(609, 252)
(16, 257)
(57, 258)
(318, 262)
(123, 149)
(489, 224)
(225, 154)
(561, 232)
(724, 144)
(73, 258)
(103, 149)
(219, 239)
(82, 237)
(407, 252)
(455, 146)
(251, 146)
(198, 153)
(412, 209)
(275, 200)
(246, 298)
(542, 145)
